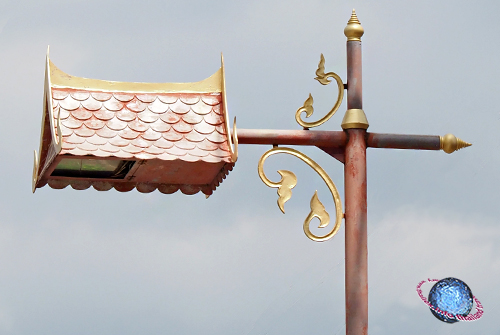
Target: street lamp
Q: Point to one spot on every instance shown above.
(176, 137)
(105, 134)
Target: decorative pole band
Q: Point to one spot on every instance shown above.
(354, 118)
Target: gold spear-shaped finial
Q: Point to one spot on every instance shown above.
(353, 31)
(354, 18)
(450, 143)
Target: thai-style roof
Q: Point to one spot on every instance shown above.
(176, 135)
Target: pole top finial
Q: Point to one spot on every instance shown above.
(353, 31)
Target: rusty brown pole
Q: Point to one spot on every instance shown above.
(331, 139)
(356, 252)
(338, 139)
(398, 141)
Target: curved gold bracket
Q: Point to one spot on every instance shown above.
(289, 180)
(59, 132)
(322, 77)
(234, 149)
(34, 177)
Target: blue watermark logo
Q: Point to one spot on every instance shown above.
(451, 300)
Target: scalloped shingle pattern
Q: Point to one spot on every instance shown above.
(165, 126)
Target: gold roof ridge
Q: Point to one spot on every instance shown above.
(60, 79)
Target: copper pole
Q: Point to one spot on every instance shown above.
(356, 252)
(338, 139)
(333, 139)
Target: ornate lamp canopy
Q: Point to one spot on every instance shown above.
(105, 134)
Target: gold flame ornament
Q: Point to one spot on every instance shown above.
(289, 180)
(317, 211)
(308, 108)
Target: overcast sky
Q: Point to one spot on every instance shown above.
(89, 262)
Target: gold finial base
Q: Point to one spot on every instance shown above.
(354, 118)
(353, 31)
(450, 143)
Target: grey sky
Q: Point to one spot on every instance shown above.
(89, 262)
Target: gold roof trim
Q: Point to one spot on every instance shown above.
(60, 79)
(232, 138)
(54, 146)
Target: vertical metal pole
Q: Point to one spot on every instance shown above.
(356, 252)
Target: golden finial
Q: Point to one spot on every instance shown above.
(450, 143)
(353, 31)
(354, 18)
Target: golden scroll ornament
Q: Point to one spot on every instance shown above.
(308, 108)
(289, 180)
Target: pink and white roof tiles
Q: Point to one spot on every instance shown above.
(177, 132)
(187, 126)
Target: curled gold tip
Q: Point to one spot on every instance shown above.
(353, 31)
(450, 143)
(34, 178)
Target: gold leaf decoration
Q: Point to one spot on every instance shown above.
(307, 107)
(318, 211)
(322, 78)
(288, 181)
(320, 72)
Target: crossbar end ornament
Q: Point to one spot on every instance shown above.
(450, 143)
